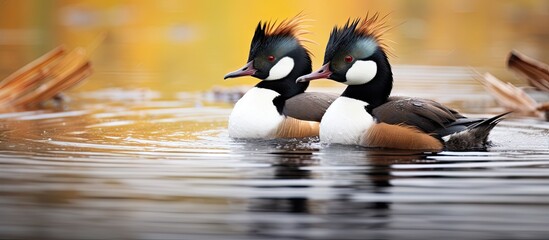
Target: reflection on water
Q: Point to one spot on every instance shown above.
(121, 164)
(139, 164)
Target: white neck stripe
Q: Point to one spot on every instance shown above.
(361, 72)
(281, 69)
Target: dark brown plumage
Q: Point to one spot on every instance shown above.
(435, 121)
(309, 106)
(425, 114)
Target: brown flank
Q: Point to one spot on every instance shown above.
(295, 128)
(399, 137)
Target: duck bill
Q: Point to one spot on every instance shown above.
(323, 72)
(247, 70)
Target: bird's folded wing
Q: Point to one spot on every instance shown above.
(424, 114)
(309, 106)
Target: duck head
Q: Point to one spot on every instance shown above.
(277, 57)
(356, 56)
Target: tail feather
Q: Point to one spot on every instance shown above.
(475, 137)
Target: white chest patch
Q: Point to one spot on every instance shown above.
(361, 72)
(281, 69)
(345, 121)
(255, 115)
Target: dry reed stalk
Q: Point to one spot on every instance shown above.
(534, 71)
(45, 77)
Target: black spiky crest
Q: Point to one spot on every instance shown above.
(292, 28)
(370, 27)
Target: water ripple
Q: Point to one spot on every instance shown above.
(168, 169)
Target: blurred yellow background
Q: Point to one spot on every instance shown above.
(173, 46)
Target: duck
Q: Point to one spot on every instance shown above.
(365, 114)
(278, 106)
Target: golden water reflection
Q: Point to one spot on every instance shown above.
(173, 46)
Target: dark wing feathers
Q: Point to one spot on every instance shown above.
(309, 106)
(427, 115)
(424, 114)
(476, 135)
(459, 125)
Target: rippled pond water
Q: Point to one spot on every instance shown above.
(125, 164)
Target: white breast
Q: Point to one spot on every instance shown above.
(345, 121)
(255, 115)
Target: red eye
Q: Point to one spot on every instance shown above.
(271, 58)
(348, 58)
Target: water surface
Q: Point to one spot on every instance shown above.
(132, 164)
